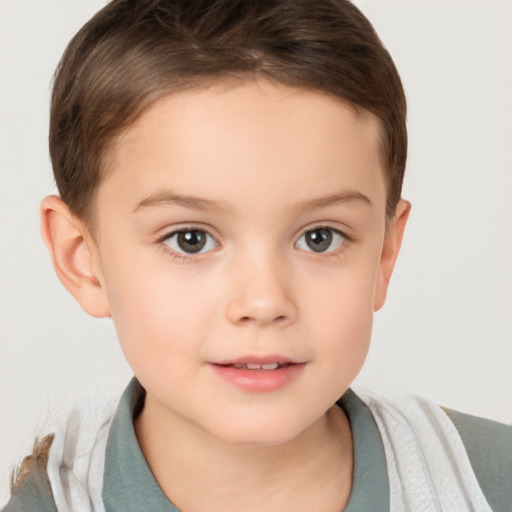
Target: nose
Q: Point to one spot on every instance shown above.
(261, 293)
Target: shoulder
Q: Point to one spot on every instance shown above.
(31, 490)
(33, 495)
(489, 448)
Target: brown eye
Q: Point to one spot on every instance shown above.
(191, 241)
(321, 239)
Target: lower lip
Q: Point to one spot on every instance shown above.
(259, 381)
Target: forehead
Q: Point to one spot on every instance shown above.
(245, 140)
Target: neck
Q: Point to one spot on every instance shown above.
(200, 472)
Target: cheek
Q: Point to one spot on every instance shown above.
(341, 309)
(155, 311)
(347, 332)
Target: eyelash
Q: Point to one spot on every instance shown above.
(185, 257)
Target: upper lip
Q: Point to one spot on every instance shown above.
(258, 359)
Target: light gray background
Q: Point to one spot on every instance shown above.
(446, 331)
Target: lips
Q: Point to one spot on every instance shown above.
(258, 366)
(259, 374)
(252, 359)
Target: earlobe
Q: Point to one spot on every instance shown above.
(72, 253)
(390, 250)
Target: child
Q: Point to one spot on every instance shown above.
(230, 194)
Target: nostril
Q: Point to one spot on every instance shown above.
(281, 319)
(277, 319)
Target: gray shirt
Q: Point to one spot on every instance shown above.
(129, 485)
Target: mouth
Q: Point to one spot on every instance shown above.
(257, 366)
(259, 375)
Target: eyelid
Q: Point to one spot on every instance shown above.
(179, 228)
(331, 225)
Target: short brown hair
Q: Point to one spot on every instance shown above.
(133, 52)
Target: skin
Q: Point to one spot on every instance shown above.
(269, 164)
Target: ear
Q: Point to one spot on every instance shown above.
(390, 250)
(74, 255)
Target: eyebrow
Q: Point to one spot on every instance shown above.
(170, 198)
(332, 199)
(199, 203)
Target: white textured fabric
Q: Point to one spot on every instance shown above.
(428, 467)
(77, 459)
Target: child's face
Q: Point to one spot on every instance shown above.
(281, 255)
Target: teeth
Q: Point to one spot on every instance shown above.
(253, 366)
(257, 366)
